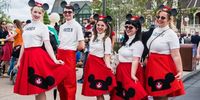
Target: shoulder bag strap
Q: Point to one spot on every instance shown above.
(156, 38)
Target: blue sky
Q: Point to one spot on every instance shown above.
(20, 10)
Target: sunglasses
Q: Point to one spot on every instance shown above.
(69, 12)
(161, 17)
(128, 27)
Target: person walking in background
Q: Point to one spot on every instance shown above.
(164, 68)
(129, 73)
(3, 34)
(7, 48)
(54, 18)
(99, 78)
(39, 70)
(87, 36)
(187, 39)
(145, 36)
(71, 39)
(16, 45)
(195, 39)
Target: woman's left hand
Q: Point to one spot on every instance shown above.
(2, 39)
(134, 78)
(179, 75)
(59, 62)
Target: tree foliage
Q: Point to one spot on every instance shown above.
(46, 19)
(4, 17)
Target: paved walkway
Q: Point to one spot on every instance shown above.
(6, 92)
(192, 87)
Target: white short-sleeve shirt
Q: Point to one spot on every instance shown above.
(34, 34)
(70, 34)
(165, 42)
(126, 53)
(97, 47)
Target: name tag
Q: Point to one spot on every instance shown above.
(30, 28)
(68, 30)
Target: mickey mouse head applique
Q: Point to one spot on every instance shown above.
(38, 80)
(161, 84)
(99, 84)
(123, 93)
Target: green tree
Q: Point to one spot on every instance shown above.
(46, 19)
(4, 17)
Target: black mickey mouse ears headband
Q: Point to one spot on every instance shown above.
(32, 3)
(103, 18)
(74, 7)
(130, 17)
(170, 11)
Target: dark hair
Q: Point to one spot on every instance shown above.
(1, 24)
(18, 24)
(138, 35)
(69, 7)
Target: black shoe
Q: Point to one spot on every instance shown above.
(80, 81)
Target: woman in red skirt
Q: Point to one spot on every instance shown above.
(7, 48)
(39, 70)
(99, 78)
(164, 66)
(129, 73)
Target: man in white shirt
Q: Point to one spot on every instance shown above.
(71, 39)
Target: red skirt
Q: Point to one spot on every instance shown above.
(37, 72)
(160, 76)
(98, 78)
(126, 88)
(7, 51)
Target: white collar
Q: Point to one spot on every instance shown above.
(100, 36)
(163, 28)
(70, 21)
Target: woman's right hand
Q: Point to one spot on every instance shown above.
(17, 65)
(111, 69)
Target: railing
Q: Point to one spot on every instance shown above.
(195, 25)
(191, 28)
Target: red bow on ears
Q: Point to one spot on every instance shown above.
(32, 3)
(170, 11)
(38, 4)
(103, 18)
(166, 8)
(129, 17)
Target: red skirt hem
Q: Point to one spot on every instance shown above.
(37, 72)
(97, 77)
(160, 76)
(127, 89)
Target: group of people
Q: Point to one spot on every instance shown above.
(41, 70)
(11, 41)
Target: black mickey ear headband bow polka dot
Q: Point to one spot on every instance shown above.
(130, 17)
(170, 11)
(32, 3)
(106, 19)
